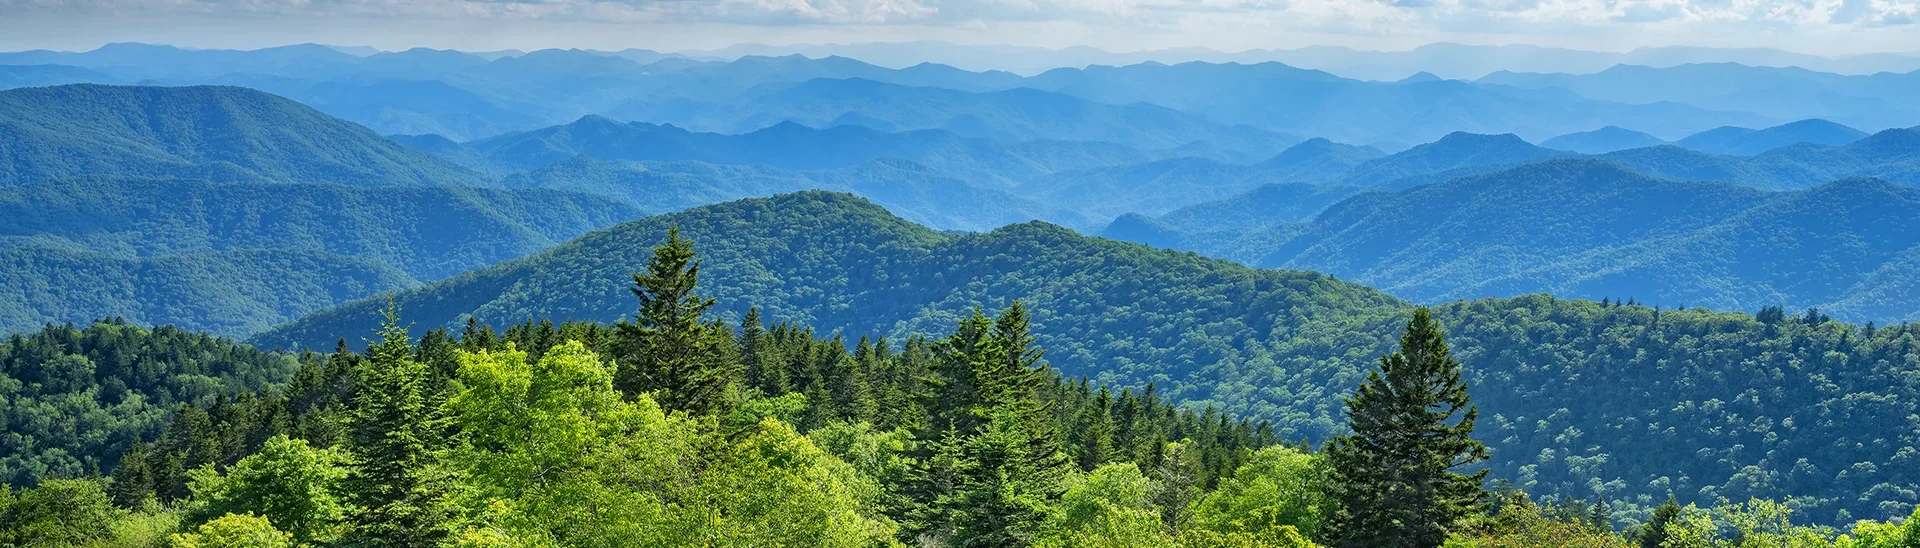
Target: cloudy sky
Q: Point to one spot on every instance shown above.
(1828, 27)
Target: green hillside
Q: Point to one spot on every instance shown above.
(1587, 399)
(78, 396)
(216, 133)
(1583, 228)
(914, 191)
(235, 258)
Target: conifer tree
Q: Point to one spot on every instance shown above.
(395, 483)
(1397, 475)
(752, 343)
(670, 353)
(1654, 533)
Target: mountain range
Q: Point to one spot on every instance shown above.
(1588, 228)
(213, 133)
(1276, 344)
(1257, 107)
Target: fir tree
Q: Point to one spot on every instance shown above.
(670, 354)
(1412, 427)
(396, 484)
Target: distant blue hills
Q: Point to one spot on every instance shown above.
(1231, 107)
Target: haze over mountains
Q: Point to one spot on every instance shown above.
(1228, 106)
(1627, 250)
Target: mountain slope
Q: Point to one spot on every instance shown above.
(917, 192)
(793, 146)
(1747, 142)
(1830, 246)
(207, 255)
(1285, 99)
(1603, 140)
(1457, 154)
(230, 293)
(1604, 384)
(216, 133)
(1020, 114)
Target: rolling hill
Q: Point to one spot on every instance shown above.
(235, 258)
(1603, 140)
(1020, 114)
(1457, 154)
(1591, 229)
(917, 192)
(216, 133)
(1748, 142)
(793, 146)
(1285, 345)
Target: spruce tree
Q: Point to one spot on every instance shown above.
(396, 484)
(670, 354)
(1396, 474)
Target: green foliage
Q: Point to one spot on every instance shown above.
(1278, 486)
(154, 251)
(1112, 506)
(1521, 523)
(1396, 475)
(672, 355)
(396, 485)
(235, 531)
(546, 443)
(72, 400)
(204, 132)
(1581, 399)
(288, 482)
(58, 512)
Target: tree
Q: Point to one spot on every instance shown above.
(1278, 486)
(1009, 486)
(1654, 533)
(671, 354)
(1395, 474)
(235, 531)
(1112, 506)
(287, 482)
(396, 484)
(58, 512)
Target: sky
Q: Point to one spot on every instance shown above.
(1822, 27)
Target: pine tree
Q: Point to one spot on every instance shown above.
(396, 484)
(670, 354)
(1412, 429)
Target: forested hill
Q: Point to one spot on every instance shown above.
(235, 258)
(1590, 229)
(1578, 398)
(203, 132)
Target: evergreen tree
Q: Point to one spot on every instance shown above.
(752, 347)
(1412, 427)
(395, 483)
(1654, 533)
(670, 354)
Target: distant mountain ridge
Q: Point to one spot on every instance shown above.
(234, 258)
(218, 133)
(1748, 142)
(1588, 228)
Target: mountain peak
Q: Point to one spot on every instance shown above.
(1422, 76)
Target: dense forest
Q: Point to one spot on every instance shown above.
(1757, 403)
(671, 428)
